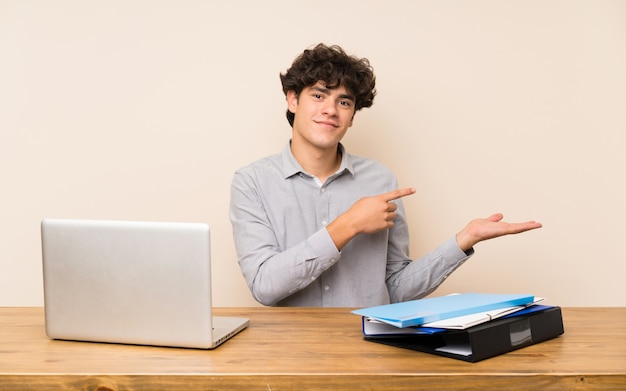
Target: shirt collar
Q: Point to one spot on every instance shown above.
(291, 166)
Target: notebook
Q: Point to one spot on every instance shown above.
(130, 282)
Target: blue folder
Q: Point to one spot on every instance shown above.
(417, 312)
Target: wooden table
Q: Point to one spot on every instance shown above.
(305, 349)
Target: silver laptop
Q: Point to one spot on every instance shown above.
(144, 283)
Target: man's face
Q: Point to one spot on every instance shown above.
(322, 115)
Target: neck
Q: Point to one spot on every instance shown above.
(321, 163)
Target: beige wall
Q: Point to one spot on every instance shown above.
(142, 110)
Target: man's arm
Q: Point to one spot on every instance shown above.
(412, 280)
(274, 267)
(367, 215)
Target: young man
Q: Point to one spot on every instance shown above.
(316, 226)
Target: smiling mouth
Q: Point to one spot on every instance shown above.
(326, 123)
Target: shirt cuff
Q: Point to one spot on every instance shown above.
(451, 251)
(324, 248)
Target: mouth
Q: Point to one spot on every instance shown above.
(327, 123)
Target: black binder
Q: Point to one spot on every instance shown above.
(485, 340)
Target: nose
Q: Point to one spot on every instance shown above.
(330, 107)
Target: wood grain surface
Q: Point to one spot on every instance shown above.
(310, 349)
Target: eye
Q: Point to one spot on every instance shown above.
(345, 103)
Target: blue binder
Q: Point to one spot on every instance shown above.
(417, 312)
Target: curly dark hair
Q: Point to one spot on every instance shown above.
(331, 65)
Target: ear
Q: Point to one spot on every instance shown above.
(292, 101)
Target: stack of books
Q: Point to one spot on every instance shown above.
(469, 326)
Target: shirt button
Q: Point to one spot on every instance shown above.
(324, 222)
(323, 189)
(326, 287)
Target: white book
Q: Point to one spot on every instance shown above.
(466, 321)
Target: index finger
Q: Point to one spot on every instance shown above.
(398, 193)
